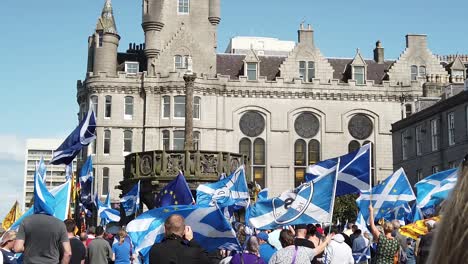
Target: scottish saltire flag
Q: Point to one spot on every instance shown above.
(41, 169)
(86, 183)
(401, 213)
(60, 204)
(210, 228)
(82, 136)
(432, 190)
(309, 203)
(391, 193)
(363, 254)
(416, 214)
(353, 174)
(44, 201)
(262, 195)
(131, 201)
(230, 191)
(177, 192)
(105, 211)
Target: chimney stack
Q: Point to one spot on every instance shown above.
(416, 41)
(306, 35)
(379, 55)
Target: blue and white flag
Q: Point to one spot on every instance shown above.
(44, 201)
(41, 169)
(353, 174)
(60, 204)
(86, 183)
(69, 171)
(232, 190)
(131, 201)
(432, 190)
(401, 213)
(363, 255)
(309, 203)
(210, 228)
(176, 192)
(82, 136)
(105, 211)
(391, 193)
(262, 195)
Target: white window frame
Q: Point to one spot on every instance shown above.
(179, 104)
(183, 2)
(451, 128)
(196, 140)
(247, 70)
(108, 181)
(104, 142)
(128, 116)
(163, 104)
(363, 74)
(414, 76)
(180, 65)
(132, 64)
(419, 140)
(420, 73)
(435, 134)
(105, 107)
(197, 112)
(124, 141)
(168, 138)
(95, 104)
(404, 144)
(178, 138)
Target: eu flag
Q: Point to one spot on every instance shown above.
(176, 192)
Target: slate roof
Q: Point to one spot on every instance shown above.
(233, 65)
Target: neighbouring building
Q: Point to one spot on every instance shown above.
(284, 110)
(435, 138)
(55, 176)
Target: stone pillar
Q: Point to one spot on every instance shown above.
(189, 79)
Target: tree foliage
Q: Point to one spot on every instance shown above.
(345, 208)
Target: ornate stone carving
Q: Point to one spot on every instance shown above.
(252, 124)
(360, 126)
(209, 163)
(175, 163)
(146, 165)
(307, 125)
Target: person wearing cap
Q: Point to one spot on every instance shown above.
(8, 241)
(266, 250)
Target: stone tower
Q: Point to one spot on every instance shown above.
(178, 29)
(103, 44)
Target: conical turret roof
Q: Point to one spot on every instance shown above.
(106, 23)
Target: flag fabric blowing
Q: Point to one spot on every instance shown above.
(176, 192)
(309, 203)
(432, 190)
(353, 173)
(131, 201)
(105, 211)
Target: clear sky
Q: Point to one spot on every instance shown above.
(44, 51)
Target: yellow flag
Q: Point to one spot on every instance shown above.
(12, 216)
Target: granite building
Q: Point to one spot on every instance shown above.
(435, 138)
(284, 111)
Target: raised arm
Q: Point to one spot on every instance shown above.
(66, 252)
(374, 230)
(323, 245)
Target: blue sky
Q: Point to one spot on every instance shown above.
(44, 51)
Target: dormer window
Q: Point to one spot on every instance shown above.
(307, 70)
(359, 74)
(252, 71)
(180, 62)
(183, 6)
(132, 67)
(458, 73)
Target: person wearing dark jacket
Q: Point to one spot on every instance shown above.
(178, 247)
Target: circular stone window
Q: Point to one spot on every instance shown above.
(360, 127)
(252, 124)
(307, 125)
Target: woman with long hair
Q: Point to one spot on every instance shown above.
(122, 249)
(250, 255)
(449, 245)
(387, 245)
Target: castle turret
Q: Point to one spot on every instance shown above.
(152, 26)
(215, 12)
(105, 42)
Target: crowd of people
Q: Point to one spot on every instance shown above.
(43, 239)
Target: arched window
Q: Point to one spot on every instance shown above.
(107, 141)
(196, 107)
(108, 109)
(300, 153)
(128, 138)
(94, 104)
(259, 162)
(196, 140)
(353, 146)
(422, 71)
(245, 147)
(128, 107)
(314, 151)
(166, 107)
(105, 181)
(166, 139)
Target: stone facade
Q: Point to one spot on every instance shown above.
(284, 88)
(421, 149)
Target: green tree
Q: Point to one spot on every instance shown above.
(345, 208)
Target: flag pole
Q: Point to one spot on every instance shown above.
(334, 194)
